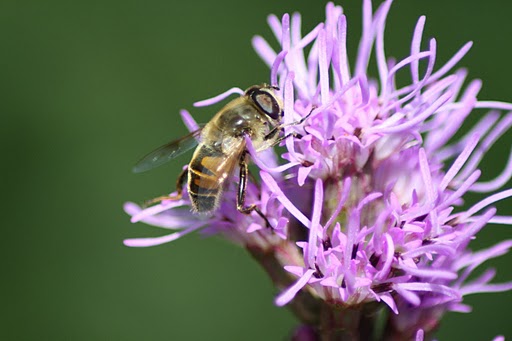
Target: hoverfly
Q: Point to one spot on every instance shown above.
(258, 114)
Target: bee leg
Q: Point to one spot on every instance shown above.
(302, 119)
(242, 187)
(280, 127)
(272, 133)
(182, 178)
(279, 140)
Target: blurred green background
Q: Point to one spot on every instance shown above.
(90, 86)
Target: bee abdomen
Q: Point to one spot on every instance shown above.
(204, 184)
(203, 204)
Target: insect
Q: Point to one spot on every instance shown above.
(258, 114)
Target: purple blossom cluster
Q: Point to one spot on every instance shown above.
(368, 205)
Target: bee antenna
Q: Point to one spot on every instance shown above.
(275, 87)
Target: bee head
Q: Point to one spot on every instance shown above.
(265, 98)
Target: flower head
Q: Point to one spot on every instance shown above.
(367, 208)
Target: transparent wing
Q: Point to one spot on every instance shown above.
(217, 168)
(167, 152)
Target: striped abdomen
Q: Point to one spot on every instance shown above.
(207, 171)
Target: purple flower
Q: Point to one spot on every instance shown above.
(368, 206)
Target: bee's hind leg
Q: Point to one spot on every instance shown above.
(242, 188)
(182, 178)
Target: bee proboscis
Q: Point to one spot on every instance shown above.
(257, 114)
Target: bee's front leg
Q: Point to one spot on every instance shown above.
(242, 188)
(182, 178)
(273, 133)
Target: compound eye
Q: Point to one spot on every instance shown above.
(267, 103)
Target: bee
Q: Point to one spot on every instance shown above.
(257, 114)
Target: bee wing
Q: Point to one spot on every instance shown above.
(167, 152)
(222, 169)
